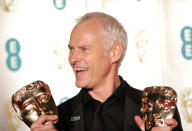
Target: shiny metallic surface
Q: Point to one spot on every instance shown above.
(158, 104)
(33, 100)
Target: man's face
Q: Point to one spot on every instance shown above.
(88, 57)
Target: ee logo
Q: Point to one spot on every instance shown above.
(59, 4)
(186, 37)
(63, 99)
(13, 59)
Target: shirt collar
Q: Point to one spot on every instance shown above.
(119, 94)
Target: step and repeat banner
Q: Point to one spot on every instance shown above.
(34, 39)
(178, 55)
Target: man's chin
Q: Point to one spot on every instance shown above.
(80, 85)
(83, 87)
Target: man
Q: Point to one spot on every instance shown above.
(106, 102)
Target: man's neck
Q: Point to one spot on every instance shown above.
(101, 94)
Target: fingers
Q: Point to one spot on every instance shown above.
(44, 122)
(171, 122)
(162, 128)
(47, 127)
(140, 122)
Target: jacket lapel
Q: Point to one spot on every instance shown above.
(130, 112)
(132, 108)
(76, 118)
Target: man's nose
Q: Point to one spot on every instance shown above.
(74, 57)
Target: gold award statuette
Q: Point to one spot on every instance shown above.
(33, 100)
(158, 104)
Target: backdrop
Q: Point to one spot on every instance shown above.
(34, 39)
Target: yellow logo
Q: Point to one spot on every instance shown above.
(9, 5)
(109, 3)
(186, 101)
(142, 42)
(61, 54)
(14, 123)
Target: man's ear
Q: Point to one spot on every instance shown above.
(116, 52)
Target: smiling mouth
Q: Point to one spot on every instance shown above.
(78, 70)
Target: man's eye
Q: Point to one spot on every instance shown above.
(71, 49)
(84, 49)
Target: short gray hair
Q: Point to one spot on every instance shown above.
(112, 29)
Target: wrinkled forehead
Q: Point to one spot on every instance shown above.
(155, 93)
(31, 91)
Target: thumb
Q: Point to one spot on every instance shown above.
(140, 122)
(43, 119)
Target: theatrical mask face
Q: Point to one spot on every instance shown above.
(186, 99)
(9, 5)
(32, 101)
(142, 43)
(158, 104)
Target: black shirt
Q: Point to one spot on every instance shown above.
(115, 116)
(111, 112)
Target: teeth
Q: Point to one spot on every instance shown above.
(80, 69)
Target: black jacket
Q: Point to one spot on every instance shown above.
(71, 116)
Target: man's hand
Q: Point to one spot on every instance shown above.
(140, 122)
(171, 123)
(43, 123)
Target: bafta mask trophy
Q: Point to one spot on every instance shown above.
(33, 100)
(158, 104)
